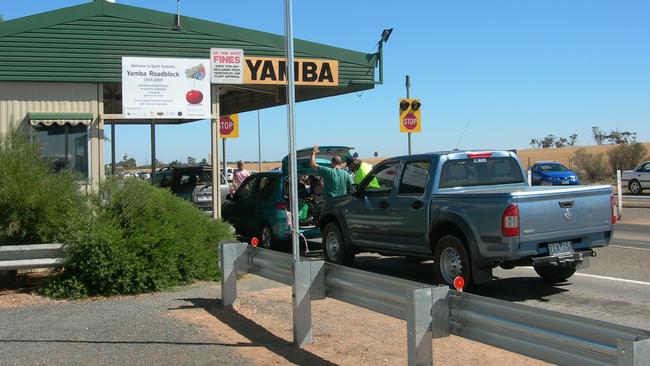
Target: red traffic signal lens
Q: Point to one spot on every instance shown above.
(416, 105)
(404, 105)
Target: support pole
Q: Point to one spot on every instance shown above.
(408, 95)
(113, 149)
(231, 256)
(259, 143)
(619, 193)
(530, 178)
(301, 308)
(223, 169)
(214, 147)
(419, 324)
(153, 149)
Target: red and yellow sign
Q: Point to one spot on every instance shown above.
(410, 119)
(229, 126)
(272, 70)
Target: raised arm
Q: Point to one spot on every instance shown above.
(312, 161)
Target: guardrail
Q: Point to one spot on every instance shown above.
(30, 256)
(432, 312)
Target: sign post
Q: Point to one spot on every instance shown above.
(228, 129)
(410, 119)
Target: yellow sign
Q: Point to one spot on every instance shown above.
(229, 126)
(272, 70)
(409, 115)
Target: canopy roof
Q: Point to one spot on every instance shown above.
(85, 43)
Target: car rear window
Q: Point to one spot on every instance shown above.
(480, 172)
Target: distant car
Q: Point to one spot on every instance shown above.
(230, 171)
(192, 183)
(638, 179)
(552, 173)
(259, 207)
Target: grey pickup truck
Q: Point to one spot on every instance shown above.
(470, 212)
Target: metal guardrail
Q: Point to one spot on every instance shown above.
(432, 312)
(30, 256)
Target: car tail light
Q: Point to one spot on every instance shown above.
(478, 155)
(282, 205)
(613, 204)
(510, 221)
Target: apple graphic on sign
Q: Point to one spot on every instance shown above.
(194, 96)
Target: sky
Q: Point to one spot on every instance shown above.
(508, 70)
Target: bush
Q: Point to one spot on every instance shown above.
(626, 156)
(142, 239)
(37, 205)
(593, 168)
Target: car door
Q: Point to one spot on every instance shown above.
(643, 174)
(367, 213)
(264, 199)
(241, 209)
(408, 209)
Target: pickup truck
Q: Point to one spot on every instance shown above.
(470, 212)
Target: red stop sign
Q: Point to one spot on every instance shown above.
(410, 122)
(226, 125)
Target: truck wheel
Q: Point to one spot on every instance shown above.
(555, 274)
(334, 247)
(635, 187)
(451, 260)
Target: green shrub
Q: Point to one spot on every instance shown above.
(141, 239)
(592, 168)
(37, 205)
(626, 156)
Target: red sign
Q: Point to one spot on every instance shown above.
(226, 125)
(410, 121)
(459, 283)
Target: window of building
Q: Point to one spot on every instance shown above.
(66, 146)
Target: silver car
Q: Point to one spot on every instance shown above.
(194, 184)
(638, 179)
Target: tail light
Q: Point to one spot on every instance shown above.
(478, 155)
(282, 205)
(510, 221)
(613, 204)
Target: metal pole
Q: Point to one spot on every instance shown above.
(301, 298)
(259, 143)
(153, 149)
(619, 193)
(214, 147)
(408, 95)
(223, 168)
(113, 149)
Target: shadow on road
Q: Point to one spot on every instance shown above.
(520, 289)
(258, 335)
(167, 343)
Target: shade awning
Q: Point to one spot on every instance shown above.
(60, 119)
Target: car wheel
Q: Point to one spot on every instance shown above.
(635, 187)
(555, 274)
(334, 247)
(451, 260)
(266, 237)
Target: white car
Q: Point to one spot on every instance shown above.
(229, 173)
(638, 179)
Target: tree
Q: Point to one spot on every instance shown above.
(592, 167)
(175, 163)
(572, 139)
(204, 161)
(626, 156)
(534, 143)
(191, 161)
(599, 135)
(548, 141)
(128, 163)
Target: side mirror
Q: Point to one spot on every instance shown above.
(230, 197)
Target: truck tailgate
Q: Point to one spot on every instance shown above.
(561, 213)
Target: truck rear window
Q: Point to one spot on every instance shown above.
(480, 172)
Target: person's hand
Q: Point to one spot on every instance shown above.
(315, 150)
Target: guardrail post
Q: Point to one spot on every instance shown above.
(440, 312)
(419, 321)
(231, 256)
(619, 193)
(633, 353)
(302, 278)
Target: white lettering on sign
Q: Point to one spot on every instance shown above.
(226, 66)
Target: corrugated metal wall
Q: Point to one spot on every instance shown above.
(19, 98)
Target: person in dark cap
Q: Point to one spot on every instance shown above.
(359, 170)
(336, 181)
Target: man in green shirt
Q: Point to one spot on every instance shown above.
(336, 181)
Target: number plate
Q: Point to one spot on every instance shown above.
(560, 248)
(565, 182)
(203, 198)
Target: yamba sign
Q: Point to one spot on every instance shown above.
(272, 70)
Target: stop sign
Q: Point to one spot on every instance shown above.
(410, 122)
(226, 125)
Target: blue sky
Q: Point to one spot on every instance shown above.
(516, 69)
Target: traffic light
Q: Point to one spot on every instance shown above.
(409, 115)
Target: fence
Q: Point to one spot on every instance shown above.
(14, 257)
(432, 312)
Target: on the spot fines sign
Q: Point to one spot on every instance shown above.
(226, 66)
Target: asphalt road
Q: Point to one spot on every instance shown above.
(614, 288)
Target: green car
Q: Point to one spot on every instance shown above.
(259, 208)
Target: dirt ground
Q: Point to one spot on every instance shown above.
(343, 334)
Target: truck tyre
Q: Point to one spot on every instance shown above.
(334, 247)
(266, 237)
(635, 187)
(555, 274)
(451, 260)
